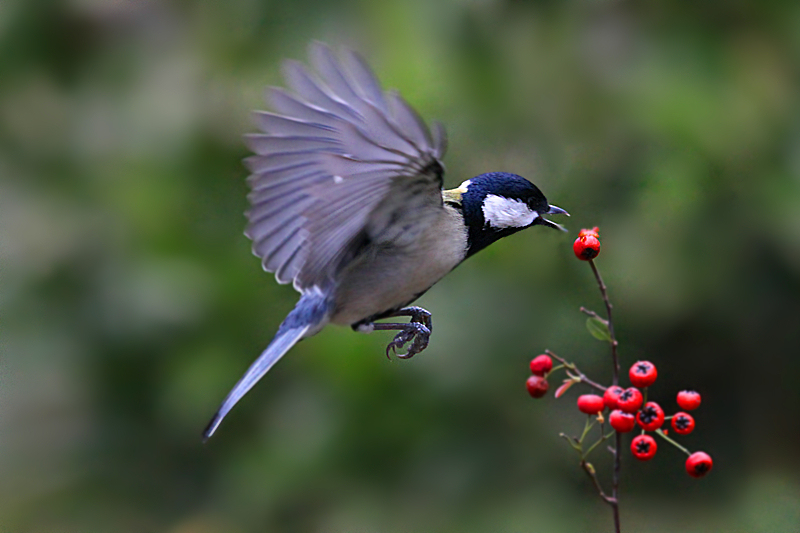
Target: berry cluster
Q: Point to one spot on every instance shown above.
(627, 408)
(537, 384)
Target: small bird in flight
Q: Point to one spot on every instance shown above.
(347, 204)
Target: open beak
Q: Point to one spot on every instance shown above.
(554, 210)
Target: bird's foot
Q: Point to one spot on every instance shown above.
(420, 316)
(415, 332)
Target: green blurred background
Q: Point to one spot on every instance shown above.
(131, 302)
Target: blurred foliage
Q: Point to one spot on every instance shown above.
(131, 303)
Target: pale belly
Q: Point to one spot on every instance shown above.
(390, 278)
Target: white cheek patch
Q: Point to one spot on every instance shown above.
(500, 212)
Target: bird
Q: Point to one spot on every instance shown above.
(347, 204)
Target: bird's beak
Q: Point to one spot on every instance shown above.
(554, 210)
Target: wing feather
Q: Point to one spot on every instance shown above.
(262, 166)
(329, 154)
(291, 106)
(365, 81)
(298, 79)
(439, 140)
(409, 120)
(266, 144)
(280, 125)
(285, 186)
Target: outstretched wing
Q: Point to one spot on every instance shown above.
(336, 147)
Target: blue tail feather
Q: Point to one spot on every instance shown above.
(308, 317)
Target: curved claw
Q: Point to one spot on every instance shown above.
(416, 331)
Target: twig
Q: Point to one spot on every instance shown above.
(593, 315)
(615, 482)
(613, 501)
(571, 367)
(613, 342)
(600, 440)
(589, 469)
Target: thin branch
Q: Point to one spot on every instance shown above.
(580, 375)
(593, 315)
(572, 442)
(589, 469)
(600, 440)
(615, 482)
(615, 360)
(613, 342)
(586, 429)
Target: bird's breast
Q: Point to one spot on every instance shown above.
(391, 274)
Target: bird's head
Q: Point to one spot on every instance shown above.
(499, 204)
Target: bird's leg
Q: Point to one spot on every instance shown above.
(418, 329)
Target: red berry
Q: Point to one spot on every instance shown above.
(643, 374)
(591, 404)
(651, 417)
(537, 386)
(699, 464)
(630, 400)
(643, 447)
(586, 246)
(683, 423)
(541, 365)
(689, 399)
(611, 396)
(621, 422)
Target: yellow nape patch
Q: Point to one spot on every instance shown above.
(454, 195)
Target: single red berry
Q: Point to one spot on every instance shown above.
(611, 396)
(586, 247)
(537, 386)
(643, 447)
(699, 464)
(621, 422)
(541, 365)
(630, 400)
(683, 423)
(689, 399)
(643, 374)
(591, 404)
(651, 416)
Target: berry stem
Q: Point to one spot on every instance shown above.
(571, 366)
(586, 429)
(613, 341)
(593, 446)
(615, 483)
(661, 434)
(613, 500)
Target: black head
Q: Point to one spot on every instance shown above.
(499, 204)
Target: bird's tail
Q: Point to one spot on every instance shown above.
(307, 318)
